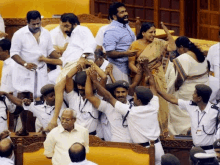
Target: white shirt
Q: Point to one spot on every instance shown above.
(6, 80)
(100, 36)
(81, 41)
(3, 116)
(58, 38)
(119, 133)
(85, 162)
(142, 120)
(2, 26)
(25, 45)
(200, 119)
(86, 112)
(214, 59)
(59, 141)
(43, 112)
(215, 86)
(6, 161)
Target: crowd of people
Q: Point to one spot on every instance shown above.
(113, 86)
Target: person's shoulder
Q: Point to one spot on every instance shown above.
(45, 31)
(21, 30)
(214, 47)
(81, 128)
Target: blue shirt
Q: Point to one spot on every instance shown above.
(118, 37)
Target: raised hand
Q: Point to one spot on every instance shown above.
(165, 28)
(93, 74)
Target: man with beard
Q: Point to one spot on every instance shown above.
(60, 35)
(117, 39)
(30, 74)
(81, 46)
(139, 117)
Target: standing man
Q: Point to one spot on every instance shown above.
(60, 139)
(28, 44)
(59, 36)
(81, 47)
(117, 39)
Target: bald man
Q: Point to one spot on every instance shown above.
(6, 152)
(77, 153)
(60, 139)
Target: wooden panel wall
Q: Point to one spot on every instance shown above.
(208, 19)
(171, 12)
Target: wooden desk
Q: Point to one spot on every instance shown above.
(178, 147)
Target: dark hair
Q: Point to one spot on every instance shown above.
(79, 155)
(203, 91)
(70, 17)
(8, 152)
(186, 43)
(144, 27)
(113, 9)
(34, 14)
(5, 44)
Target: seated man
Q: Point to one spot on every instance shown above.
(60, 39)
(6, 152)
(169, 159)
(203, 115)
(81, 46)
(77, 153)
(60, 139)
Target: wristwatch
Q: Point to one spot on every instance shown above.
(25, 64)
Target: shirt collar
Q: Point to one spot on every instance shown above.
(206, 110)
(83, 162)
(61, 129)
(119, 24)
(75, 29)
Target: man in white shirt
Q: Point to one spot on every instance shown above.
(77, 153)
(214, 58)
(6, 79)
(59, 37)
(42, 109)
(30, 74)
(60, 139)
(6, 152)
(87, 114)
(2, 28)
(118, 123)
(139, 117)
(81, 46)
(203, 116)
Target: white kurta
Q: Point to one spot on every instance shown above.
(58, 38)
(2, 26)
(25, 45)
(6, 80)
(179, 121)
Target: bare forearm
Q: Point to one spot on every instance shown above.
(171, 43)
(168, 97)
(132, 67)
(54, 55)
(88, 88)
(116, 54)
(53, 61)
(18, 59)
(13, 99)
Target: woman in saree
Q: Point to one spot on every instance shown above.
(153, 49)
(191, 68)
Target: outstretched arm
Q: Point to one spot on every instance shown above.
(13, 99)
(171, 43)
(106, 94)
(89, 92)
(136, 81)
(50, 60)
